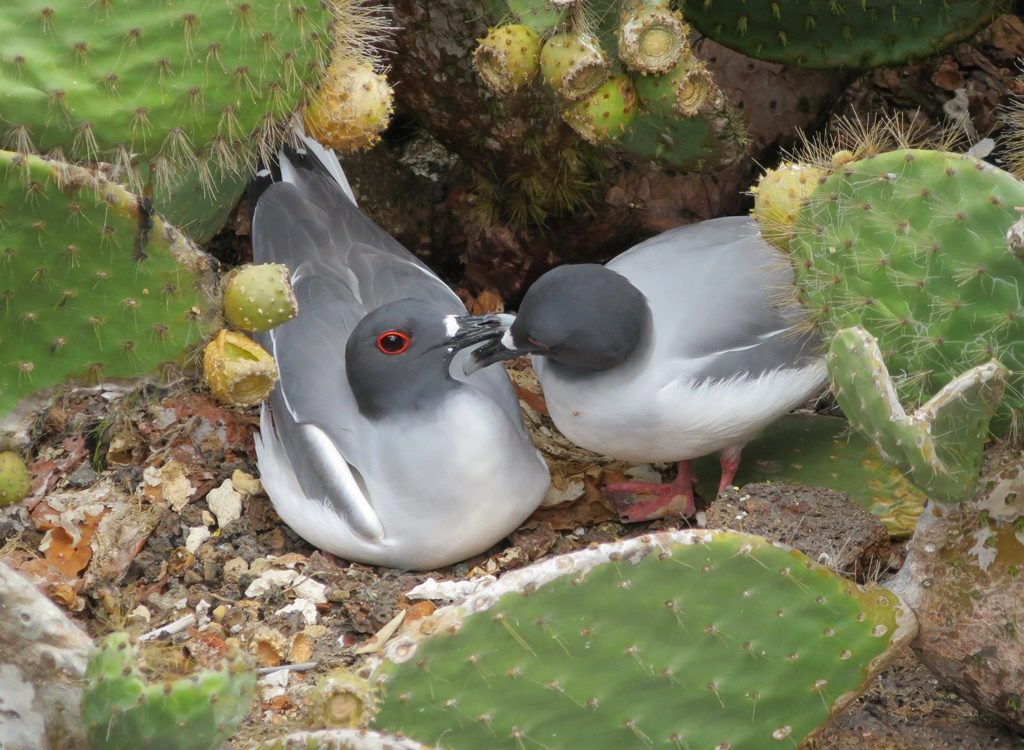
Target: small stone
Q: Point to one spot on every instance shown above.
(246, 483)
(234, 569)
(82, 477)
(219, 613)
(225, 502)
(196, 536)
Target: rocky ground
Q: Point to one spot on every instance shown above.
(147, 512)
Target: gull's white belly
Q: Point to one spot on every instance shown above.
(640, 419)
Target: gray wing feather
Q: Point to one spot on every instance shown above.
(718, 292)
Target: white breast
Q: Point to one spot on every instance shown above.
(649, 417)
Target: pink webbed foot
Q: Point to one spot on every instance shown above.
(645, 501)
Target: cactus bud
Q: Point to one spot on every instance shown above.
(237, 370)
(573, 65)
(508, 57)
(259, 297)
(606, 113)
(15, 479)
(351, 107)
(652, 39)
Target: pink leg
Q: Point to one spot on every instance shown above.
(645, 501)
(729, 459)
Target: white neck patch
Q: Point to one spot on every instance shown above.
(451, 325)
(506, 340)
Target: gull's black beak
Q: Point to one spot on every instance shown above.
(465, 331)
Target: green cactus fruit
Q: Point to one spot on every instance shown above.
(911, 244)
(341, 699)
(138, 81)
(652, 37)
(259, 297)
(508, 57)
(778, 196)
(15, 479)
(542, 16)
(93, 284)
(816, 450)
(687, 90)
(829, 34)
(938, 447)
(688, 639)
(123, 711)
(351, 108)
(574, 65)
(605, 114)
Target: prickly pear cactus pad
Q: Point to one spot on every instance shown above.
(690, 639)
(816, 450)
(911, 244)
(939, 447)
(122, 711)
(182, 83)
(92, 284)
(829, 34)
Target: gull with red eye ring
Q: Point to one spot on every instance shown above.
(685, 345)
(375, 445)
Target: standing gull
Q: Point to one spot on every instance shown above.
(677, 348)
(375, 446)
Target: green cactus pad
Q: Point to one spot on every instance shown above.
(15, 479)
(259, 297)
(508, 57)
(816, 450)
(939, 447)
(122, 711)
(185, 86)
(687, 143)
(911, 244)
(692, 639)
(829, 34)
(92, 285)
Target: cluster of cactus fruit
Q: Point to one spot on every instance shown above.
(624, 72)
(122, 710)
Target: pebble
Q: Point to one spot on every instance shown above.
(225, 502)
(196, 536)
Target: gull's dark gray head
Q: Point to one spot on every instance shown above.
(398, 356)
(585, 317)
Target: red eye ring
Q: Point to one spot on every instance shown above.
(393, 342)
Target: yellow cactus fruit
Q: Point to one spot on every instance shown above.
(574, 65)
(652, 38)
(778, 196)
(508, 57)
(237, 370)
(341, 699)
(15, 479)
(351, 108)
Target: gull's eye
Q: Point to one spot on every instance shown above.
(393, 342)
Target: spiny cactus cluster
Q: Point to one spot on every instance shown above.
(912, 245)
(685, 639)
(123, 711)
(829, 34)
(939, 447)
(93, 284)
(624, 72)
